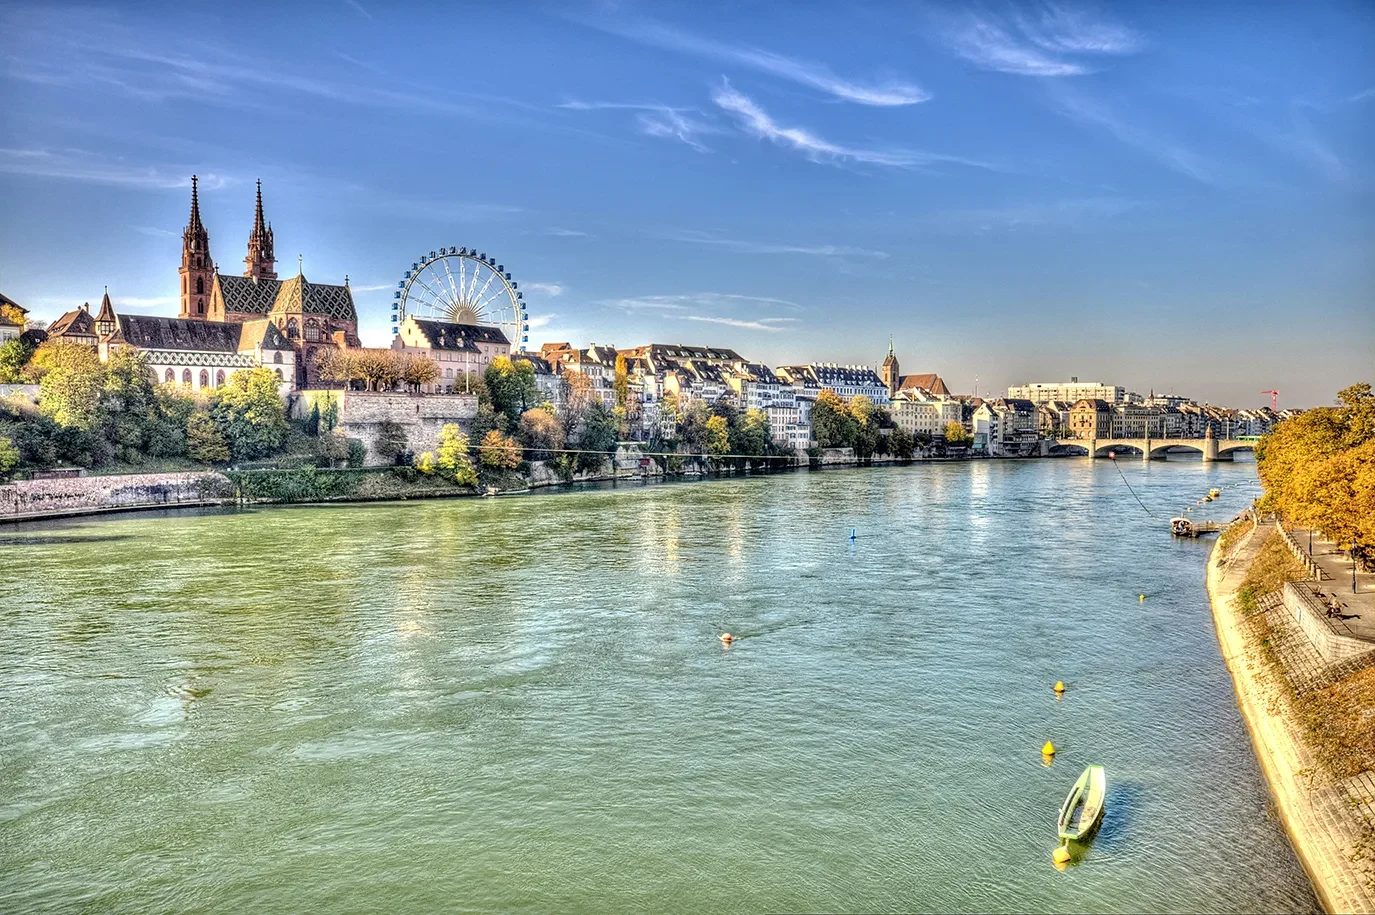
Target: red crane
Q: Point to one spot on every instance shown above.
(1274, 400)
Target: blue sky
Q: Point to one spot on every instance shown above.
(1164, 195)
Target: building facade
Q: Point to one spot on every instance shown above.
(1072, 391)
(458, 349)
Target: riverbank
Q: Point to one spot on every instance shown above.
(1328, 825)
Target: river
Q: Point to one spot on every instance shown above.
(521, 703)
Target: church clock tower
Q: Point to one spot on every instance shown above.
(889, 372)
(197, 269)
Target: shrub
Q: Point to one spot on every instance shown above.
(9, 458)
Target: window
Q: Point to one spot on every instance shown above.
(277, 359)
(186, 376)
(279, 374)
(219, 378)
(170, 377)
(448, 373)
(205, 378)
(200, 285)
(312, 330)
(293, 330)
(200, 306)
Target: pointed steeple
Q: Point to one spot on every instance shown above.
(260, 262)
(105, 321)
(197, 267)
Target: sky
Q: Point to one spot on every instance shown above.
(1168, 196)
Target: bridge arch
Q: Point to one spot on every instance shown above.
(1117, 447)
(1160, 452)
(1069, 449)
(1233, 449)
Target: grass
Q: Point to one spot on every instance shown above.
(1340, 723)
(1272, 567)
(1233, 534)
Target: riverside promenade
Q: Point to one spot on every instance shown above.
(1330, 823)
(1355, 593)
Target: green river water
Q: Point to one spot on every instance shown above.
(521, 703)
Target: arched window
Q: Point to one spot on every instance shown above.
(312, 330)
(292, 329)
(279, 374)
(200, 285)
(205, 378)
(200, 306)
(219, 378)
(170, 377)
(277, 359)
(185, 376)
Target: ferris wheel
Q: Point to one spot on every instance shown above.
(464, 287)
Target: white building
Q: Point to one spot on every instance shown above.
(457, 348)
(847, 381)
(1071, 391)
(923, 414)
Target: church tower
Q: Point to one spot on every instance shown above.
(197, 269)
(260, 263)
(889, 372)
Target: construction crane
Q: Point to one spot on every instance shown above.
(1274, 400)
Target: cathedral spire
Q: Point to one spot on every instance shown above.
(260, 262)
(196, 265)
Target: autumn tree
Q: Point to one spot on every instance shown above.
(499, 451)
(718, 436)
(451, 456)
(70, 378)
(955, 435)
(14, 356)
(541, 432)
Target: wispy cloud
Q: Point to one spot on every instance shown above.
(550, 289)
(373, 287)
(559, 232)
(81, 165)
(757, 247)
(1051, 42)
(699, 301)
(657, 120)
(154, 231)
(1302, 142)
(885, 92)
(1363, 95)
(1159, 146)
(754, 120)
(541, 321)
(769, 324)
(358, 8)
(1072, 214)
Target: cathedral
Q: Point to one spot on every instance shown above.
(309, 316)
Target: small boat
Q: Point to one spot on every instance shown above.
(1083, 808)
(1181, 527)
(512, 492)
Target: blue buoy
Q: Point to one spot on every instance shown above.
(852, 533)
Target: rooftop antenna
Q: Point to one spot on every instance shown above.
(300, 264)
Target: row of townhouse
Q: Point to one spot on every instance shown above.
(1006, 426)
(1096, 418)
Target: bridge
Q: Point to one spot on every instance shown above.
(1155, 449)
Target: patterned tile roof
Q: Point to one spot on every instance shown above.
(262, 333)
(302, 296)
(153, 332)
(247, 295)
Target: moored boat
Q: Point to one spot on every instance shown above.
(1083, 808)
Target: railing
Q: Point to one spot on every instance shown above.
(1302, 555)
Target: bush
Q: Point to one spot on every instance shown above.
(203, 440)
(357, 453)
(9, 458)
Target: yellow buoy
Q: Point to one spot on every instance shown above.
(1060, 855)
(1048, 749)
(1143, 598)
(1059, 686)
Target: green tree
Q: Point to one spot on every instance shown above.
(14, 356)
(391, 441)
(204, 442)
(9, 458)
(512, 388)
(833, 426)
(71, 377)
(451, 457)
(172, 410)
(866, 418)
(249, 413)
(901, 443)
(127, 409)
(692, 426)
(753, 434)
(597, 437)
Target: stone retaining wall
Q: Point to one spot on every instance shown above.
(25, 392)
(1311, 616)
(361, 415)
(78, 495)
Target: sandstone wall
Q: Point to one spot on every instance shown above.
(361, 415)
(28, 498)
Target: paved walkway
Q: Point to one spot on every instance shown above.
(1358, 606)
(1328, 821)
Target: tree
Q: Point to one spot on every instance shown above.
(391, 441)
(71, 377)
(451, 457)
(357, 452)
(249, 413)
(866, 419)
(416, 370)
(498, 451)
(512, 388)
(14, 356)
(955, 434)
(752, 435)
(9, 458)
(692, 427)
(172, 410)
(833, 426)
(204, 442)
(718, 436)
(597, 437)
(331, 450)
(127, 409)
(901, 443)
(9, 314)
(541, 433)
